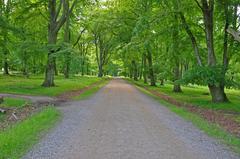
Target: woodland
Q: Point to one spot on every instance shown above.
(180, 42)
(183, 53)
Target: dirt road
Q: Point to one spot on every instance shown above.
(119, 122)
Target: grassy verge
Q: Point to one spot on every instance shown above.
(2, 117)
(32, 86)
(210, 129)
(199, 96)
(16, 140)
(14, 102)
(88, 93)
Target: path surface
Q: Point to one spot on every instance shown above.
(119, 122)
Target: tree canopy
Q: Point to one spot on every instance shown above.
(178, 41)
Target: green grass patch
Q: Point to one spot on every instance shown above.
(18, 139)
(32, 85)
(2, 117)
(14, 102)
(88, 93)
(210, 129)
(198, 95)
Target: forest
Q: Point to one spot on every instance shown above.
(185, 53)
(178, 41)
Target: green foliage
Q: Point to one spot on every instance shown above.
(114, 33)
(199, 96)
(18, 139)
(14, 102)
(2, 117)
(202, 75)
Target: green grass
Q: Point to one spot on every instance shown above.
(212, 130)
(197, 96)
(16, 140)
(88, 93)
(2, 117)
(14, 102)
(32, 86)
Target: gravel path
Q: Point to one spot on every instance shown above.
(119, 122)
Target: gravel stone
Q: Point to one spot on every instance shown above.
(119, 122)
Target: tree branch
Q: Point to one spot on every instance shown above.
(58, 9)
(235, 34)
(61, 21)
(73, 5)
(79, 37)
(65, 14)
(192, 37)
(198, 4)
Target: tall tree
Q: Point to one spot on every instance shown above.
(6, 9)
(67, 41)
(57, 17)
(207, 8)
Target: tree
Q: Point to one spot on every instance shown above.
(156, 41)
(56, 21)
(207, 8)
(67, 40)
(5, 11)
(104, 40)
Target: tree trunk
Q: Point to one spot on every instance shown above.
(82, 67)
(177, 74)
(100, 54)
(5, 66)
(5, 10)
(55, 66)
(176, 58)
(5, 53)
(141, 69)
(218, 94)
(144, 68)
(208, 10)
(177, 88)
(222, 95)
(87, 69)
(52, 39)
(67, 65)
(34, 70)
(50, 68)
(162, 82)
(55, 24)
(100, 71)
(84, 58)
(49, 73)
(100, 67)
(67, 41)
(134, 68)
(193, 39)
(151, 71)
(130, 72)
